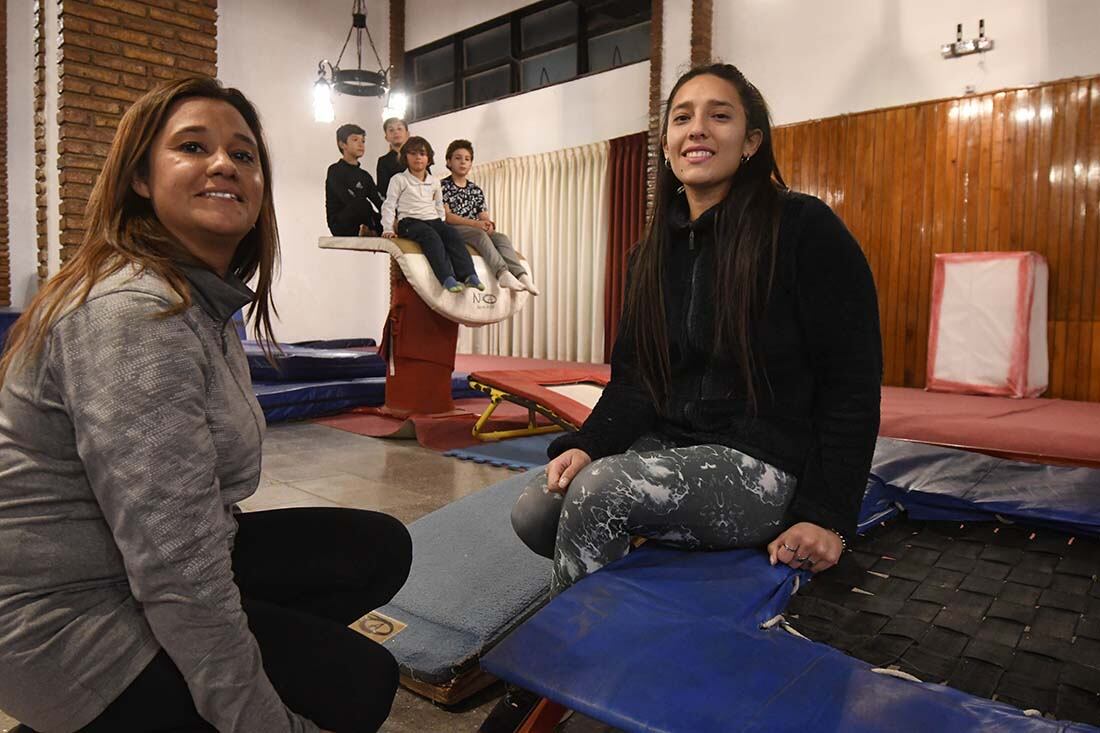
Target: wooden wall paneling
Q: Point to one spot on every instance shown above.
(995, 240)
(910, 236)
(1048, 223)
(980, 239)
(1009, 170)
(890, 227)
(1073, 230)
(967, 173)
(1092, 242)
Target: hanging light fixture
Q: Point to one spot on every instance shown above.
(322, 97)
(396, 105)
(357, 82)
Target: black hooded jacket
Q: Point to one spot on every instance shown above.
(819, 355)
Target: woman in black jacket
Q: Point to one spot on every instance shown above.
(744, 397)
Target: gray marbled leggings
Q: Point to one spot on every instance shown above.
(695, 497)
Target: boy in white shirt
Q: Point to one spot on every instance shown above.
(414, 198)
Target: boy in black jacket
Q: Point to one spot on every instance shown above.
(390, 164)
(352, 204)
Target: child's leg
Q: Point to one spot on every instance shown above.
(503, 245)
(461, 262)
(426, 236)
(480, 241)
(358, 211)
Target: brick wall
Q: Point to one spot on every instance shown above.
(40, 198)
(5, 238)
(110, 52)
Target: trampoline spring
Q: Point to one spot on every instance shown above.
(890, 672)
(777, 619)
(792, 630)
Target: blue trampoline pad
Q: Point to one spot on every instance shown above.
(669, 641)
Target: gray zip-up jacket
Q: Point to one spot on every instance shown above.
(123, 448)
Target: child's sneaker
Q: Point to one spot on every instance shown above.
(453, 285)
(508, 280)
(473, 282)
(528, 284)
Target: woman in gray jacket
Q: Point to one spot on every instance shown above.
(133, 594)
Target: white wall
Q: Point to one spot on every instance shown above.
(21, 209)
(588, 110)
(53, 139)
(811, 60)
(1071, 46)
(825, 58)
(270, 51)
(424, 21)
(598, 107)
(676, 43)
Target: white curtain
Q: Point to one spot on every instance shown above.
(554, 208)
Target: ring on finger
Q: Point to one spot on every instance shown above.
(788, 548)
(803, 559)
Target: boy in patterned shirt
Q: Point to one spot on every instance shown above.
(464, 203)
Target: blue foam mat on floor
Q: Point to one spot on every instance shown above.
(312, 364)
(471, 581)
(519, 454)
(283, 401)
(662, 625)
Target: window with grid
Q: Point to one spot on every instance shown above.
(542, 44)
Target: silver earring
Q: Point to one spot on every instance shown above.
(668, 164)
(745, 159)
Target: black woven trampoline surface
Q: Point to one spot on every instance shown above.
(999, 611)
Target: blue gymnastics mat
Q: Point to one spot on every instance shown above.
(518, 454)
(312, 364)
(665, 641)
(283, 401)
(472, 580)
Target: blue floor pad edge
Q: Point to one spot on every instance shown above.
(518, 454)
(282, 401)
(662, 625)
(471, 581)
(686, 627)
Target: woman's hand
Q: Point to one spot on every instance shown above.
(806, 546)
(389, 235)
(486, 225)
(562, 469)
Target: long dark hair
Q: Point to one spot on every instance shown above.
(746, 235)
(124, 230)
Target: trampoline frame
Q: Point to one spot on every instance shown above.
(496, 396)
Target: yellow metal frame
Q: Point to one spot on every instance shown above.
(497, 396)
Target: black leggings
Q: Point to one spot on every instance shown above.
(304, 576)
(696, 497)
(442, 245)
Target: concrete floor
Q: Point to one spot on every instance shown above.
(313, 465)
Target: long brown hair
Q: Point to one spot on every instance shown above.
(122, 228)
(746, 234)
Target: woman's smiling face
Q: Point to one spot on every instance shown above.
(204, 177)
(707, 133)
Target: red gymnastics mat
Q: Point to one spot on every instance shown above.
(1062, 432)
(437, 432)
(452, 430)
